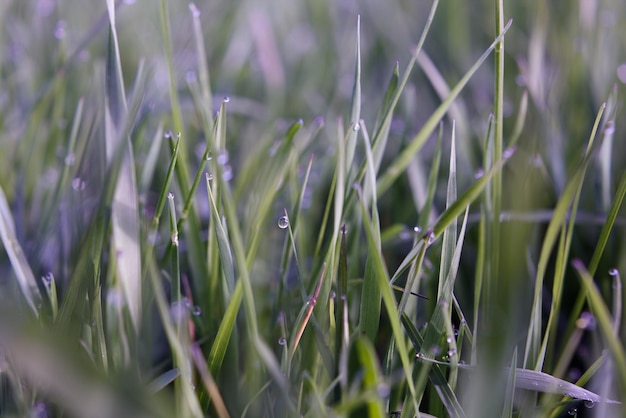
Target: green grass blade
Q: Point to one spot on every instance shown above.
(23, 272)
(533, 353)
(601, 312)
(400, 163)
(371, 296)
(387, 295)
(355, 112)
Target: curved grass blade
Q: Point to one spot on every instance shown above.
(401, 162)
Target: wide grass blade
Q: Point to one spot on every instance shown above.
(125, 212)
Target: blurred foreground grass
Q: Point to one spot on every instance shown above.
(235, 208)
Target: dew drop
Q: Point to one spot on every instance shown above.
(153, 238)
(589, 404)
(93, 322)
(196, 310)
(194, 10)
(417, 229)
(222, 157)
(282, 341)
(508, 153)
(190, 76)
(479, 173)
(226, 99)
(227, 174)
(383, 390)
(429, 238)
(610, 128)
(178, 135)
(59, 30)
(209, 176)
(449, 339)
(356, 126)
(419, 355)
(47, 279)
(451, 353)
(613, 272)
(70, 159)
(333, 295)
(283, 222)
(573, 412)
(78, 184)
(167, 134)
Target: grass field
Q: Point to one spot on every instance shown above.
(312, 208)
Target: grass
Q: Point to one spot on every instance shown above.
(311, 209)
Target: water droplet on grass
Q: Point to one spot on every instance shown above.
(383, 390)
(226, 99)
(283, 222)
(573, 412)
(70, 159)
(282, 341)
(209, 176)
(196, 310)
(417, 229)
(356, 126)
(589, 404)
(227, 174)
(222, 157)
(451, 353)
(508, 153)
(449, 339)
(614, 272)
(479, 173)
(194, 10)
(78, 184)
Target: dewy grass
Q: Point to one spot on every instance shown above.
(310, 268)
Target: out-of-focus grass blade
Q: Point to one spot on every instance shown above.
(355, 112)
(163, 380)
(424, 216)
(203, 69)
(364, 367)
(381, 133)
(509, 394)
(273, 368)
(23, 273)
(383, 125)
(149, 166)
(387, 295)
(125, 215)
(608, 225)
(209, 382)
(400, 163)
(535, 351)
(601, 312)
